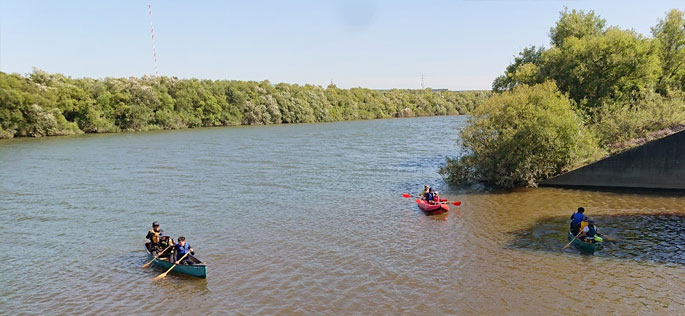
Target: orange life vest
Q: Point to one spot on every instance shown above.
(155, 236)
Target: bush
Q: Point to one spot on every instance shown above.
(521, 137)
(616, 122)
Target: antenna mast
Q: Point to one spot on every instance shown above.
(152, 31)
(422, 85)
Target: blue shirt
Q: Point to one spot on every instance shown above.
(577, 218)
(182, 250)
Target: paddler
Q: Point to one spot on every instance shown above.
(181, 249)
(589, 231)
(429, 195)
(154, 235)
(423, 193)
(433, 196)
(436, 197)
(576, 220)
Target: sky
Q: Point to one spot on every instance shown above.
(456, 45)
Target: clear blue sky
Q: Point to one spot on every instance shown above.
(376, 44)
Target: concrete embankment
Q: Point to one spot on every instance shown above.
(657, 164)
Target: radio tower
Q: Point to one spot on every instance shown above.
(152, 31)
(422, 85)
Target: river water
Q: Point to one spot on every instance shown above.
(309, 219)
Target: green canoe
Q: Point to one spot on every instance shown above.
(586, 247)
(197, 269)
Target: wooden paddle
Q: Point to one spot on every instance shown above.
(408, 196)
(569, 243)
(609, 238)
(157, 256)
(167, 271)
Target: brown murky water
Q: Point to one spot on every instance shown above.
(309, 219)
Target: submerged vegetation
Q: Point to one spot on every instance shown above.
(563, 106)
(43, 104)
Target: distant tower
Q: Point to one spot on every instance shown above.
(152, 31)
(423, 86)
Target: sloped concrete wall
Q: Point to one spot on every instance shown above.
(658, 164)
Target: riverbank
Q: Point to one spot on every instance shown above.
(44, 104)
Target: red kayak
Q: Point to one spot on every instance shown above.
(432, 209)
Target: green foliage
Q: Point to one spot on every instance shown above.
(615, 65)
(521, 137)
(43, 104)
(577, 24)
(623, 85)
(670, 35)
(616, 122)
(524, 70)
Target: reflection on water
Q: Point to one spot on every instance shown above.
(640, 237)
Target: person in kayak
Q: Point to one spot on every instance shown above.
(154, 235)
(181, 249)
(436, 197)
(423, 193)
(430, 196)
(576, 219)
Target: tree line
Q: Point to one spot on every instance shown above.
(570, 104)
(45, 104)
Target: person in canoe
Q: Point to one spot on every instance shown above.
(182, 247)
(576, 220)
(154, 235)
(589, 232)
(423, 193)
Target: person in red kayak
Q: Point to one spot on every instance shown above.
(436, 197)
(431, 196)
(428, 196)
(423, 193)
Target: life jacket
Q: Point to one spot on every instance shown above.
(592, 231)
(182, 250)
(436, 198)
(154, 235)
(582, 225)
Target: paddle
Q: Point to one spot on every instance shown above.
(408, 196)
(609, 238)
(157, 256)
(574, 238)
(167, 271)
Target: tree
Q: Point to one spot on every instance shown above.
(522, 71)
(520, 137)
(670, 34)
(617, 64)
(578, 24)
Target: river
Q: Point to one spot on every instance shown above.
(309, 219)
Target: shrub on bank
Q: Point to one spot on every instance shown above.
(520, 137)
(616, 122)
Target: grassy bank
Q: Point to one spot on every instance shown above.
(44, 104)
